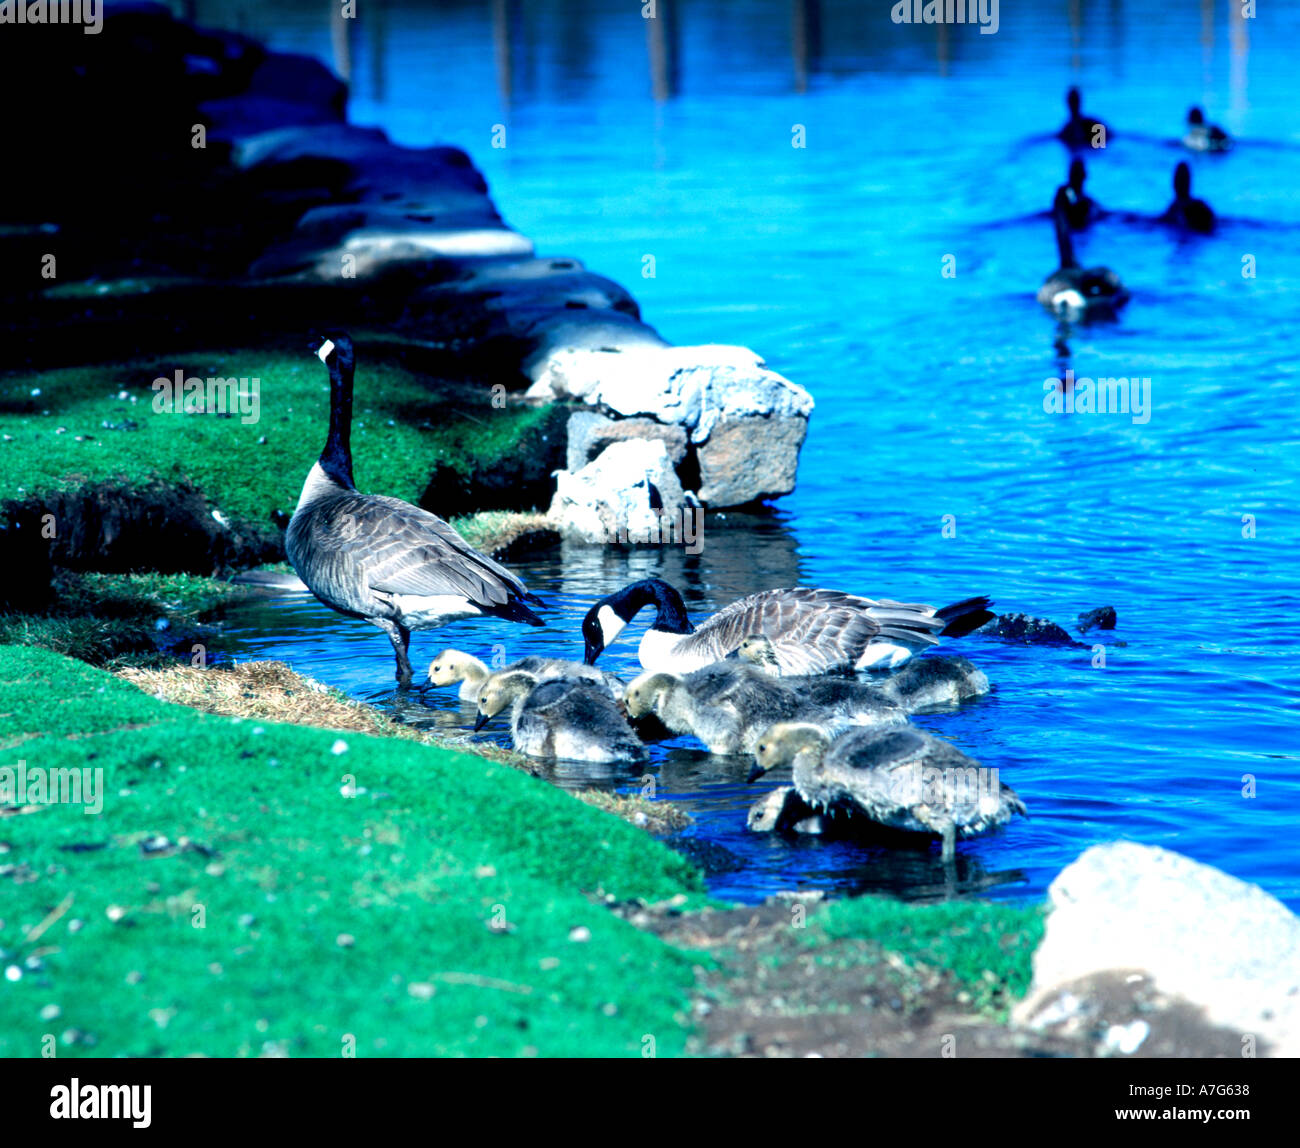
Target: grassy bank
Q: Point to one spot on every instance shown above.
(82, 424)
(231, 899)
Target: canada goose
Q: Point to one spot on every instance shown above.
(379, 558)
(901, 778)
(1204, 137)
(451, 666)
(728, 704)
(1193, 214)
(923, 683)
(1071, 291)
(1080, 130)
(572, 718)
(1080, 208)
(812, 631)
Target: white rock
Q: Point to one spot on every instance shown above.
(609, 499)
(693, 387)
(1211, 939)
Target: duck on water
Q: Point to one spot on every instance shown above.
(811, 631)
(378, 558)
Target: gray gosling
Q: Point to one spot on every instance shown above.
(573, 718)
(451, 666)
(901, 778)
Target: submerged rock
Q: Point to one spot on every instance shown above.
(1198, 934)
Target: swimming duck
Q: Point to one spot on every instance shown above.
(451, 666)
(1204, 137)
(572, 718)
(812, 631)
(1080, 206)
(1192, 214)
(381, 559)
(1081, 131)
(901, 778)
(1071, 291)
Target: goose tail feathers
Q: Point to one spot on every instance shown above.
(964, 617)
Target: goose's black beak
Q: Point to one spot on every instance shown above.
(755, 772)
(592, 653)
(482, 720)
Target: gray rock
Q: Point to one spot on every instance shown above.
(1199, 934)
(1102, 618)
(590, 433)
(628, 494)
(749, 458)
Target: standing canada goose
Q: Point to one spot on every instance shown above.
(728, 704)
(1192, 214)
(573, 718)
(1080, 208)
(1081, 131)
(379, 558)
(924, 683)
(451, 666)
(1204, 137)
(901, 778)
(812, 631)
(1071, 291)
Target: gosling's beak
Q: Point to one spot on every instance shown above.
(755, 772)
(483, 719)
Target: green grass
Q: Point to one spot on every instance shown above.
(402, 427)
(987, 946)
(281, 865)
(103, 618)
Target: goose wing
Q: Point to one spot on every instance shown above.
(405, 550)
(814, 631)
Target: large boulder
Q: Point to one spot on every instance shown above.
(746, 423)
(630, 493)
(589, 433)
(1197, 934)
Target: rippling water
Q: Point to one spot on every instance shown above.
(929, 390)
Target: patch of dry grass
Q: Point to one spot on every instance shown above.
(271, 691)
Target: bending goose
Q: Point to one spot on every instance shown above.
(901, 778)
(381, 559)
(451, 666)
(1193, 214)
(1204, 137)
(924, 683)
(1071, 291)
(727, 705)
(573, 718)
(1081, 131)
(812, 631)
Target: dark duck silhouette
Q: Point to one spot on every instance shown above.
(1186, 212)
(1081, 131)
(1081, 209)
(1204, 137)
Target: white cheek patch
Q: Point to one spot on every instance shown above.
(326, 349)
(611, 625)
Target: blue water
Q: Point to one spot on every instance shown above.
(827, 260)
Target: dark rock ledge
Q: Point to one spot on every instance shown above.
(291, 218)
